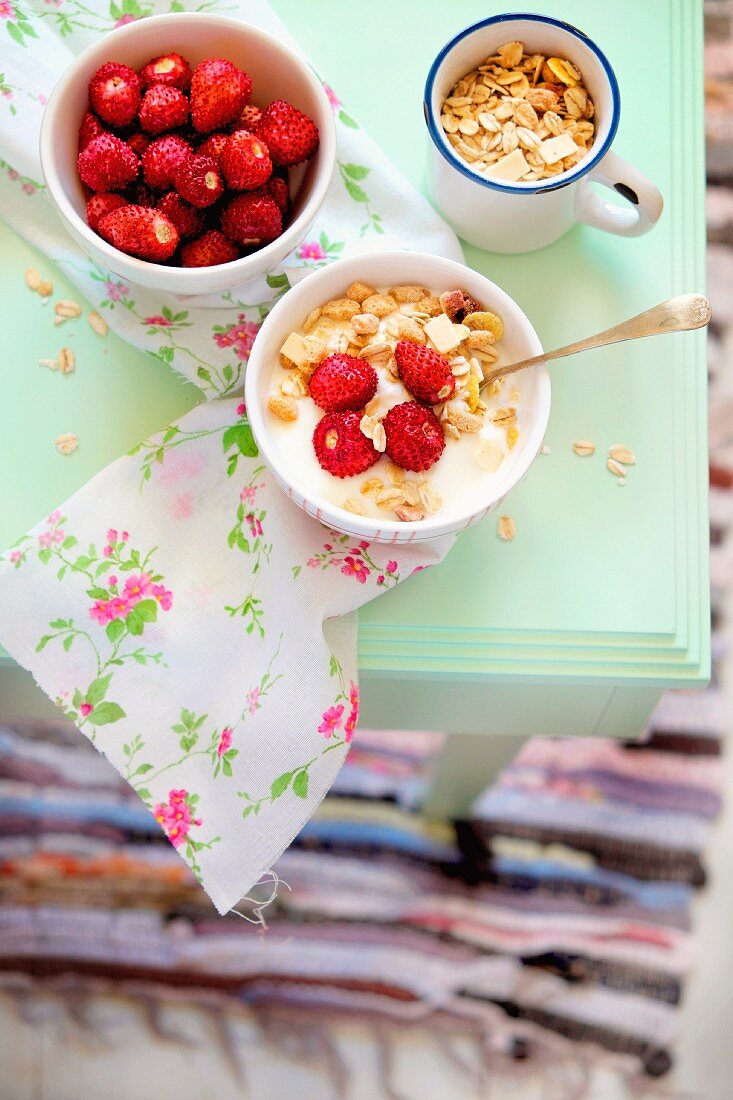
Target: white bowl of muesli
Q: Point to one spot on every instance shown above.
(367, 395)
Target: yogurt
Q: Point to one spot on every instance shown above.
(482, 440)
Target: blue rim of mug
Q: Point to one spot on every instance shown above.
(436, 132)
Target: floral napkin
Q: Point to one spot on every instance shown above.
(194, 624)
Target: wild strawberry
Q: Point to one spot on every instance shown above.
(104, 202)
(213, 248)
(107, 164)
(252, 219)
(161, 159)
(219, 92)
(114, 94)
(138, 143)
(341, 447)
(249, 118)
(213, 146)
(343, 382)
(198, 180)
(163, 109)
(139, 231)
(170, 69)
(414, 436)
(90, 128)
(290, 136)
(245, 161)
(426, 374)
(278, 189)
(187, 219)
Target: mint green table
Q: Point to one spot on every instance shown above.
(601, 602)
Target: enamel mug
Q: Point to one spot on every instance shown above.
(521, 217)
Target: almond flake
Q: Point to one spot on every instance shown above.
(294, 350)
(506, 528)
(442, 333)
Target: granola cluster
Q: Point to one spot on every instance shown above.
(520, 117)
(368, 324)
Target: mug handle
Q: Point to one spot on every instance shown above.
(646, 202)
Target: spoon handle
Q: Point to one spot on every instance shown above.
(680, 314)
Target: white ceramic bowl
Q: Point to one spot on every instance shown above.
(387, 269)
(276, 71)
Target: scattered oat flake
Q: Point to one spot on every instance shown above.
(67, 361)
(620, 453)
(584, 448)
(97, 323)
(66, 309)
(545, 450)
(67, 443)
(32, 278)
(506, 528)
(616, 468)
(52, 364)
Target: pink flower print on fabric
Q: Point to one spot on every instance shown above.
(7, 11)
(255, 526)
(332, 98)
(331, 720)
(241, 409)
(136, 587)
(160, 322)
(353, 718)
(16, 555)
(163, 595)
(355, 567)
(239, 336)
(225, 741)
(391, 567)
(182, 506)
(311, 250)
(54, 517)
(253, 699)
(175, 817)
(249, 493)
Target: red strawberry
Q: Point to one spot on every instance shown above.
(163, 109)
(219, 92)
(341, 447)
(245, 161)
(107, 164)
(138, 143)
(139, 231)
(198, 180)
(170, 69)
(252, 219)
(213, 248)
(342, 382)
(426, 374)
(414, 436)
(114, 94)
(213, 146)
(290, 136)
(249, 118)
(90, 128)
(187, 219)
(104, 202)
(277, 188)
(161, 159)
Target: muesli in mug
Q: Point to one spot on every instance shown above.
(522, 111)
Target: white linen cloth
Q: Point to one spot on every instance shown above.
(191, 620)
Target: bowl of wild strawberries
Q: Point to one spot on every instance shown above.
(188, 152)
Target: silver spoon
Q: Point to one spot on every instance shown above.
(680, 314)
